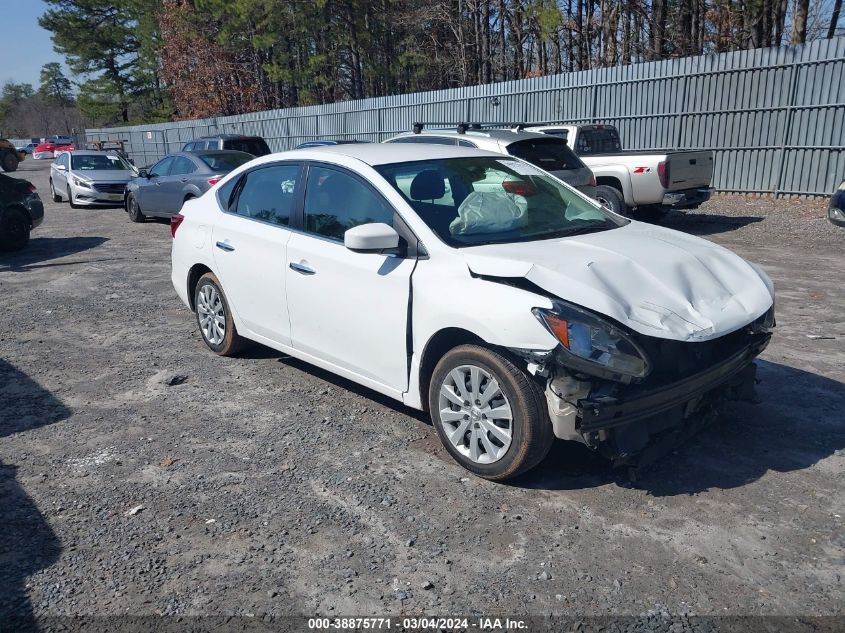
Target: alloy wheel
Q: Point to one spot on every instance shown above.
(475, 414)
(212, 314)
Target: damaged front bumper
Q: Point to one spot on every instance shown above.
(624, 423)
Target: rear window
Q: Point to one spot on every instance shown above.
(551, 154)
(254, 146)
(225, 161)
(598, 141)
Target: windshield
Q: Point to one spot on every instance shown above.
(551, 154)
(98, 162)
(598, 140)
(254, 146)
(225, 161)
(470, 201)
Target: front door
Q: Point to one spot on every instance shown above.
(149, 189)
(250, 241)
(347, 308)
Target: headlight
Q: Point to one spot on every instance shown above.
(81, 183)
(592, 344)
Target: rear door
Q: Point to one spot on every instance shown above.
(250, 240)
(348, 309)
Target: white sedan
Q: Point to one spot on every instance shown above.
(478, 288)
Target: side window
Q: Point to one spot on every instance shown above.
(267, 194)
(464, 143)
(224, 193)
(182, 165)
(438, 140)
(189, 147)
(405, 139)
(64, 160)
(336, 201)
(162, 167)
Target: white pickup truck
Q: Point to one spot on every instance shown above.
(648, 181)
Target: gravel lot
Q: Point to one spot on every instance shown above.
(140, 474)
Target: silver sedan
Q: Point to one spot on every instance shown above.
(89, 178)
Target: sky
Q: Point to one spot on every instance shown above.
(32, 45)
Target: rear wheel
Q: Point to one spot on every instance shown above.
(651, 213)
(488, 413)
(215, 318)
(134, 209)
(10, 162)
(612, 199)
(14, 230)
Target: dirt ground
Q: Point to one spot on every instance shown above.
(140, 474)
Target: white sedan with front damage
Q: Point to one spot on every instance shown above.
(478, 288)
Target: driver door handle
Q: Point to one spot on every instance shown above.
(302, 269)
(223, 246)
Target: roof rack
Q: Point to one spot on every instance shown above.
(463, 127)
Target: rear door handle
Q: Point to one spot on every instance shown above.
(300, 268)
(183, 180)
(223, 246)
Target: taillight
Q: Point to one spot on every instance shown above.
(663, 173)
(215, 180)
(175, 223)
(31, 188)
(519, 188)
(593, 182)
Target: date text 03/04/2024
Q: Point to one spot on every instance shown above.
(417, 623)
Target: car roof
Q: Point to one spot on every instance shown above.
(383, 153)
(497, 134)
(219, 137)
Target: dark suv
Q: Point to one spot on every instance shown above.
(254, 145)
(21, 210)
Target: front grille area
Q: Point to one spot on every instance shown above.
(109, 187)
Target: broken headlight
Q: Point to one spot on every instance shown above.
(592, 344)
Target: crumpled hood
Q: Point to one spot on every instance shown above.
(656, 281)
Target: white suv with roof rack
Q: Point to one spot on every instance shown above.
(548, 153)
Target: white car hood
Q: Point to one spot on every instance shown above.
(656, 281)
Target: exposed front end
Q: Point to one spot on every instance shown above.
(633, 411)
(95, 193)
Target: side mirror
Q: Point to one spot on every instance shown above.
(61, 167)
(143, 174)
(374, 236)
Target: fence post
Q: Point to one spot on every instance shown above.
(787, 128)
(679, 117)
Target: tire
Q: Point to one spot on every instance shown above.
(207, 292)
(56, 196)
(10, 162)
(14, 230)
(73, 205)
(530, 429)
(134, 209)
(612, 198)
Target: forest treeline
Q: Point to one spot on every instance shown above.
(150, 60)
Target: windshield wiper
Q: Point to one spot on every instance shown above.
(578, 230)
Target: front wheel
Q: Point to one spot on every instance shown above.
(14, 230)
(134, 209)
(488, 413)
(612, 199)
(54, 193)
(215, 318)
(73, 205)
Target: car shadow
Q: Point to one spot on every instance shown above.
(706, 223)
(796, 424)
(27, 543)
(41, 249)
(257, 352)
